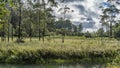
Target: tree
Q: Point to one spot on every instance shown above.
(18, 9)
(41, 6)
(9, 6)
(20, 13)
(80, 27)
(100, 32)
(65, 9)
(30, 12)
(4, 13)
(117, 33)
(87, 34)
(52, 4)
(38, 7)
(109, 14)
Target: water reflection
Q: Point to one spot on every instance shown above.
(58, 66)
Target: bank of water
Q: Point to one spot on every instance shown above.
(60, 66)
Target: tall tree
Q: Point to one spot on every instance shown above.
(41, 5)
(30, 11)
(4, 13)
(9, 6)
(109, 14)
(52, 4)
(100, 32)
(64, 9)
(20, 13)
(80, 27)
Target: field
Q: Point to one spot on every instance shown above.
(75, 49)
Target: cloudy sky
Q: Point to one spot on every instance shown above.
(85, 11)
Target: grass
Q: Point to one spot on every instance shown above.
(74, 49)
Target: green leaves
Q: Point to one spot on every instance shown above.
(11, 3)
(4, 12)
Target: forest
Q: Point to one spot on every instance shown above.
(30, 32)
(34, 18)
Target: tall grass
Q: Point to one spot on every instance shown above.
(74, 49)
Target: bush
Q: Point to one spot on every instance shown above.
(20, 41)
(87, 35)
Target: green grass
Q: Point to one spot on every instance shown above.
(75, 49)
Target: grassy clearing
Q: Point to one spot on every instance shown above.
(73, 50)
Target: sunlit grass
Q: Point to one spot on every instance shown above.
(77, 48)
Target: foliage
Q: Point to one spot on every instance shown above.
(87, 35)
(100, 32)
(109, 13)
(3, 13)
(117, 32)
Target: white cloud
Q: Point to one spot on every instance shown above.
(83, 11)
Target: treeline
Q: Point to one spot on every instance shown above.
(115, 31)
(33, 18)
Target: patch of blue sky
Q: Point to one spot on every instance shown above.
(106, 4)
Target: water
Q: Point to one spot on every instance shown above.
(59, 66)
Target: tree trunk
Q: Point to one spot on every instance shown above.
(63, 39)
(110, 30)
(19, 34)
(3, 33)
(39, 34)
(39, 26)
(44, 24)
(43, 33)
(30, 35)
(8, 31)
(9, 20)
(12, 34)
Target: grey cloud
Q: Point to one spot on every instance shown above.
(68, 1)
(68, 16)
(73, 0)
(76, 23)
(81, 8)
(82, 18)
(89, 13)
(89, 19)
(86, 13)
(88, 24)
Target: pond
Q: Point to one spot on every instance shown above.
(60, 66)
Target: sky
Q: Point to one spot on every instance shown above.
(86, 12)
